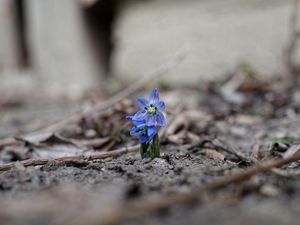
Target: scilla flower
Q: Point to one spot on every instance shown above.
(146, 122)
(151, 110)
(139, 129)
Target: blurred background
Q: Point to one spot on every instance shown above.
(56, 53)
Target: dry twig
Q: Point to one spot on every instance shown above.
(143, 207)
(88, 157)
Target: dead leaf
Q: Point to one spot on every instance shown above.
(49, 145)
(291, 151)
(96, 142)
(213, 154)
(244, 119)
(178, 123)
(44, 138)
(193, 137)
(177, 139)
(183, 120)
(56, 151)
(52, 145)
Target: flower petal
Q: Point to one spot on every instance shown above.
(135, 131)
(129, 118)
(154, 97)
(143, 139)
(150, 120)
(142, 103)
(160, 106)
(140, 115)
(151, 131)
(160, 119)
(139, 123)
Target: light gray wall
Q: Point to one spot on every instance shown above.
(219, 34)
(59, 45)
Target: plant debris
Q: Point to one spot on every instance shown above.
(227, 143)
(238, 145)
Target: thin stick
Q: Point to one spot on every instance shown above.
(280, 172)
(261, 168)
(143, 207)
(89, 157)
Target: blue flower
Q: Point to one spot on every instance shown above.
(139, 129)
(151, 111)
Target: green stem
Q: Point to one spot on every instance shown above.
(143, 150)
(151, 150)
(154, 150)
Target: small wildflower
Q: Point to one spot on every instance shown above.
(151, 110)
(146, 122)
(139, 129)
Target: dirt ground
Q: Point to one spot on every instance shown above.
(226, 136)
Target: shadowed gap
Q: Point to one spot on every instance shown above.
(99, 18)
(23, 53)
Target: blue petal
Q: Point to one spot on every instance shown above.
(150, 120)
(160, 119)
(140, 115)
(135, 131)
(129, 118)
(139, 123)
(142, 103)
(151, 131)
(143, 139)
(154, 97)
(136, 123)
(160, 106)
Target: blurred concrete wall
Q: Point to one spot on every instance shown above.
(8, 51)
(59, 44)
(218, 33)
(60, 55)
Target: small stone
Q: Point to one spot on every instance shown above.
(269, 190)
